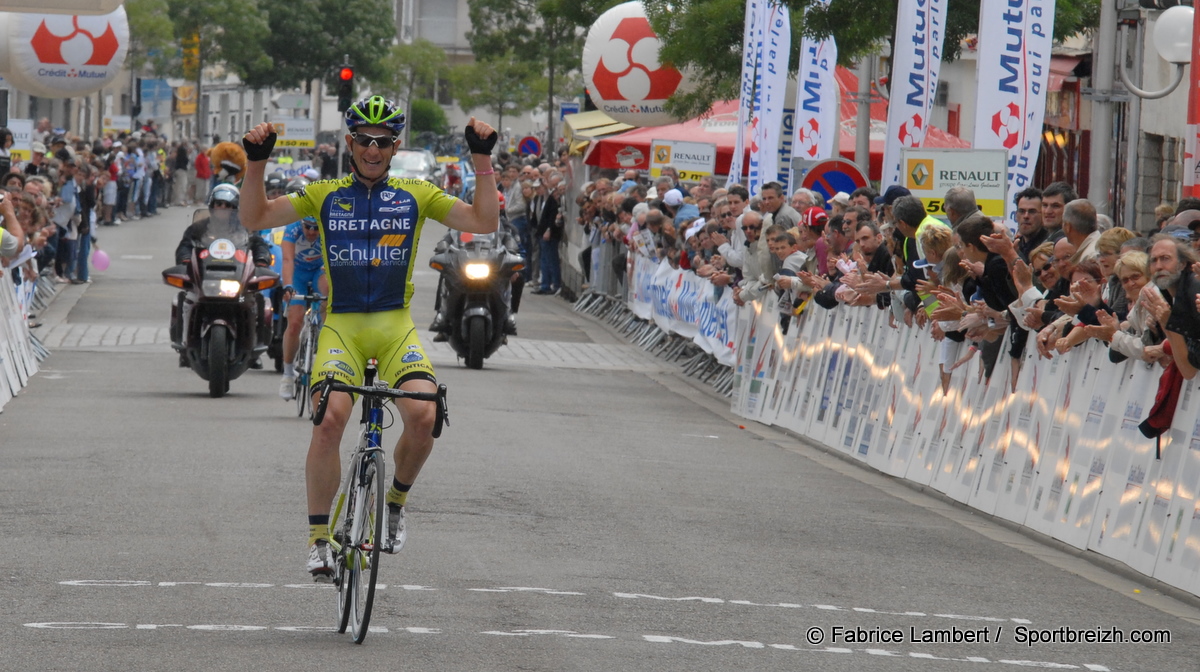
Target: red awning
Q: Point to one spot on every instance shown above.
(632, 148)
(1061, 67)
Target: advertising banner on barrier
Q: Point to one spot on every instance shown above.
(929, 173)
(920, 30)
(1062, 454)
(772, 83)
(818, 100)
(683, 303)
(1014, 64)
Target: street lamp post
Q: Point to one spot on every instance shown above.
(1173, 37)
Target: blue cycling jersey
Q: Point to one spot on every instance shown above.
(308, 255)
(369, 237)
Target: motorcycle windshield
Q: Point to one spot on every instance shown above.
(476, 241)
(221, 228)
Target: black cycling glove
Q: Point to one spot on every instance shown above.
(260, 152)
(480, 145)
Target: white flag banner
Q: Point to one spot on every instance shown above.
(1014, 64)
(772, 82)
(920, 30)
(751, 41)
(817, 100)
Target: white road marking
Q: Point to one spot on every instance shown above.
(126, 583)
(572, 634)
(561, 633)
(544, 591)
(823, 607)
(137, 257)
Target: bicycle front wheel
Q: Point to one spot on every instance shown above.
(362, 558)
(303, 366)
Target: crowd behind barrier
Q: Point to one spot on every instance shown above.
(1061, 455)
(1013, 370)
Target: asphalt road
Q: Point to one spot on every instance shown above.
(587, 509)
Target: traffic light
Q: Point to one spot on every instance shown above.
(345, 88)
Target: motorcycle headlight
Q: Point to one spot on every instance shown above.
(226, 288)
(478, 271)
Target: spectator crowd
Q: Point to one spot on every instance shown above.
(983, 292)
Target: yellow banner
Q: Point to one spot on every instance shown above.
(185, 100)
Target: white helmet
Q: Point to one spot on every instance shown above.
(225, 193)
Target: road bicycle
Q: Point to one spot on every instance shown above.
(359, 507)
(306, 351)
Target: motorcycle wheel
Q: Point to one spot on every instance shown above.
(218, 361)
(476, 341)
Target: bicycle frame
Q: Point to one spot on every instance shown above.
(369, 440)
(358, 548)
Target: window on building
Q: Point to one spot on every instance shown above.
(437, 21)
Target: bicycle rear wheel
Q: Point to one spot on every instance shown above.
(362, 557)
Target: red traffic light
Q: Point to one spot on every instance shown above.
(346, 74)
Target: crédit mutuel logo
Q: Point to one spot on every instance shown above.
(76, 50)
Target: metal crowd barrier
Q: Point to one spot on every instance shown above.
(1057, 451)
(20, 350)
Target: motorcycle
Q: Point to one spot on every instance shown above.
(275, 296)
(219, 321)
(475, 290)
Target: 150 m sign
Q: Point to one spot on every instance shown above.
(295, 132)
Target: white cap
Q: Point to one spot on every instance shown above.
(312, 174)
(673, 198)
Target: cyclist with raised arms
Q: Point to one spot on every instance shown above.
(370, 225)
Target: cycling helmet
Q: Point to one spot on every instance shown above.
(296, 184)
(225, 193)
(375, 111)
(276, 182)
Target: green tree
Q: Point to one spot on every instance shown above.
(410, 68)
(230, 33)
(304, 44)
(151, 37)
(426, 115)
(505, 86)
(705, 36)
(545, 34)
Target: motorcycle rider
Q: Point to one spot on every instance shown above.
(509, 238)
(223, 196)
(303, 267)
(370, 290)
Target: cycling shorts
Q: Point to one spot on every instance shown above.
(304, 281)
(348, 340)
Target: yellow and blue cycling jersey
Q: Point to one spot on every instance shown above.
(369, 236)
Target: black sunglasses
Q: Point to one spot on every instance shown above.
(312, 227)
(380, 141)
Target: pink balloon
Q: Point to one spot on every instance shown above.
(100, 260)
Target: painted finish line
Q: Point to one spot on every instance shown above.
(572, 634)
(121, 583)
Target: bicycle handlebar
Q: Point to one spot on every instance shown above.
(331, 385)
